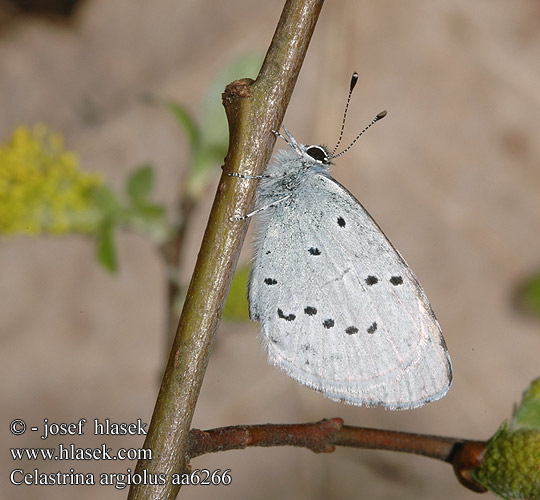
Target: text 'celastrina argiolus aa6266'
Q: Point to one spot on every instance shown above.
(339, 308)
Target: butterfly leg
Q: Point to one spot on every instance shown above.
(251, 214)
(289, 139)
(281, 136)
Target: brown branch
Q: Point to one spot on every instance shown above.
(316, 436)
(253, 109)
(324, 436)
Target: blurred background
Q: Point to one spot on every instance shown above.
(451, 175)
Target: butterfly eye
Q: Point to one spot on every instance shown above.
(317, 153)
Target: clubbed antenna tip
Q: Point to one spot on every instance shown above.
(354, 80)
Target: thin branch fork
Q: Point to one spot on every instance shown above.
(325, 435)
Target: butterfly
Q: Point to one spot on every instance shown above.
(340, 310)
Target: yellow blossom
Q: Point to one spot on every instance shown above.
(42, 189)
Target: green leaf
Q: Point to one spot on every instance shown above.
(205, 161)
(139, 185)
(105, 247)
(151, 211)
(527, 414)
(527, 296)
(106, 202)
(186, 121)
(214, 129)
(149, 219)
(214, 135)
(236, 307)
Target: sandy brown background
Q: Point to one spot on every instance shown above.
(451, 175)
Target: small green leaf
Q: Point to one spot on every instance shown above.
(214, 138)
(186, 121)
(236, 307)
(106, 202)
(150, 210)
(105, 247)
(149, 219)
(527, 296)
(214, 130)
(527, 414)
(139, 184)
(205, 162)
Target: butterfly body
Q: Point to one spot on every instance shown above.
(340, 310)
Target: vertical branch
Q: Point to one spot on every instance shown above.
(253, 109)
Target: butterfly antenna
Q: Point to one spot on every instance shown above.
(380, 116)
(354, 79)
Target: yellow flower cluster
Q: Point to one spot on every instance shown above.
(41, 188)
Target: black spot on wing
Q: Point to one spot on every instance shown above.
(372, 280)
(351, 330)
(341, 222)
(286, 317)
(310, 311)
(372, 328)
(314, 251)
(270, 281)
(328, 323)
(396, 280)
